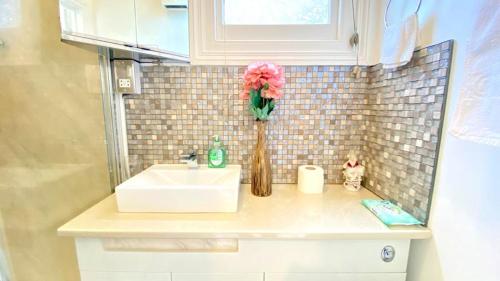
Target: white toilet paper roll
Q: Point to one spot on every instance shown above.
(311, 179)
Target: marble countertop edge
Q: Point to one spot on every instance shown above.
(287, 214)
(424, 233)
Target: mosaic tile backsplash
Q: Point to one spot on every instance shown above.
(391, 117)
(318, 122)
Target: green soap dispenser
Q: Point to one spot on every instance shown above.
(217, 154)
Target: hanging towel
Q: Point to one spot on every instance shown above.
(477, 117)
(400, 40)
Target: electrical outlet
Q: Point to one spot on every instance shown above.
(124, 83)
(126, 78)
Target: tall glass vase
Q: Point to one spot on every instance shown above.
(261, 165)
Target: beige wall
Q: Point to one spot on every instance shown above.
(52, 152)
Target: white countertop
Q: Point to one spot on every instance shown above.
(287, 214)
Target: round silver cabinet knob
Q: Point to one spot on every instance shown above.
(388, 253)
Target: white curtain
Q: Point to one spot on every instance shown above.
(478, 113)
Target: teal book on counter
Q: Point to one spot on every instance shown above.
(389, 213)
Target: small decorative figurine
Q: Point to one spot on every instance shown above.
(353, 173)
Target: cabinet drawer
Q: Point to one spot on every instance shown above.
(297, 256)
(218, 276)
(123, 276)
(335, 276)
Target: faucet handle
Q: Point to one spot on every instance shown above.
(191, 156)
(190, 159)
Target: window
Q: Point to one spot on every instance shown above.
(236, 12)
(284, 31)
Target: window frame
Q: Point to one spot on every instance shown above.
(212, 43)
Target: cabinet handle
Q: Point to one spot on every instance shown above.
(388, 253)
(171, 245)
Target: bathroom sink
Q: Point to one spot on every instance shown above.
(179, 189)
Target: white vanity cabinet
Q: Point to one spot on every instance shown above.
(335, 277)
(289, 236)
(123, 276)
(257, 276)
(253, 260)
(141, 26)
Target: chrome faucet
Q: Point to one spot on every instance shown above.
(191, 159)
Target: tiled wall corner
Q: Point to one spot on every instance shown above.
(391, 116)
(403, 128)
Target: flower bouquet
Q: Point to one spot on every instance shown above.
(263, 83)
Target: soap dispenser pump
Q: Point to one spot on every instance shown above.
(217, 154)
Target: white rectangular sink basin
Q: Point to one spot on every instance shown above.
(179, 189)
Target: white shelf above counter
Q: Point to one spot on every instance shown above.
(146, 27)
(287, 214)
(143, 54)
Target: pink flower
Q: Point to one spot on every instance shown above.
(266, 76)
